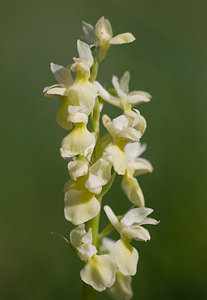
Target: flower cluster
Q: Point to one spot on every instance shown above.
(93, 162)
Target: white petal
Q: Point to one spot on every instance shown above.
(78, 140)
(120, 122)
(130, 134)
(139, 123)
(126, 257)
(99, 272)
(149, 221)
(136, 215)
(103, 31)
(76, 116)
(137, 233)
(56, 90)
(132, 189)
(138, 97)
(51, 86)
(133, 150)
(87, 28)
(76, 235)
(117, 87)
(77, 168)
(118, 158)
(122, 289)
(108, 244)
(122, 38)
(82, 241)
(112, 218)
(89, 31)
(80, 206)
(83, 95)
(62, 114)
(62, 74)
(124, 82)
(84, 52)
(105, 95)
(141, 166)
(99, 175)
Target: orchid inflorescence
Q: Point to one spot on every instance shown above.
(93, 162)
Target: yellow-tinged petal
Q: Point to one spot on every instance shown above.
(82, 241)
(77, 168)
(83, 94)
(80, 206)
(62, 114)
(62, 74)
(103, 31)
(117, 158)
(78, 140)
(132, 189)
(99, 175)
(126, 257)
(121, 290)
(99, 272)
(122, 38)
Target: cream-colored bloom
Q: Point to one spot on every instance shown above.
(125, 100)
(82, 242)
(77, 168)
(80, 204)
(129, 227)
(77, 97)
(78, 141)
(123, 129)
(121, 290)
(99, 175)
(65, 79)
(82, 95)
(117, 157)
(84, 62)
(136, 166)
(102, 36)
(99, 270)
(63, 76)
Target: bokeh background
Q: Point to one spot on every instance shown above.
(169, 60)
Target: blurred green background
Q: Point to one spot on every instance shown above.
(168, 60)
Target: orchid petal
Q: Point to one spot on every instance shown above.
(126, 257)
(136, 215)
(80, 206)
(124, 82)
(112, 218)
(122, 289)
(132, 189)
(84, 52)
(78, 140)
(62, 74)
(99, 272)
(122, 38)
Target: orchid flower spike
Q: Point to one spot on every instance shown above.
(102, 36)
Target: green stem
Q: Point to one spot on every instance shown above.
(95, 123)
(94, 224)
